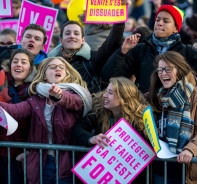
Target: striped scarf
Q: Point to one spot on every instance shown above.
(180, 124)
(164, 44)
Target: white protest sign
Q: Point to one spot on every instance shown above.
(7, 122)
(126, 155)
(5, 8)
(32, 13)
(165, 151)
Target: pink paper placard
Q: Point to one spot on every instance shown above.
(9, 23)
(6, 8)
(32, 13)
(126, 155)
(106, 12)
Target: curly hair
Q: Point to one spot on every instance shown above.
(131, 100)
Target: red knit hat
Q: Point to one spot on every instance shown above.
(176, 13)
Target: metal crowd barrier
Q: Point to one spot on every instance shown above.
(72, 149)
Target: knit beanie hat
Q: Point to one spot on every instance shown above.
(176, 13)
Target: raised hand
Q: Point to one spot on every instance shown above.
(126, 2)
(157, 4)
(55, 91)
(100, 140)
(130, 42)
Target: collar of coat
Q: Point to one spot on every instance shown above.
(84, 52)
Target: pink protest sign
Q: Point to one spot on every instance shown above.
(126, 155)
(7, 122)
(9, 23)
(105, 11)
(37, 14)
(5, 8)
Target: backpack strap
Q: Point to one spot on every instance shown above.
(88, 67)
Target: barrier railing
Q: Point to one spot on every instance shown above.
(72, 149)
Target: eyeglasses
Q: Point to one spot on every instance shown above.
(168, 69)
(6, 44)
(54, 67)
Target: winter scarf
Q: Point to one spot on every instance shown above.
(17, 93)
(67, 56)
(163, 44)
(180, 124)
(43, 89)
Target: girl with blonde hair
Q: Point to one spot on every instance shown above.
(59, 99)
(121, 99)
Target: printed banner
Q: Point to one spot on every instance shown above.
(105, 11)
(7, 122)
(64, 4)
(9, 23)
(151, 128)
(161, 148)
(126, 155)
(5, 8)
(37, 14)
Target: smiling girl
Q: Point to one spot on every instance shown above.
(60, 98)
(121, 99)
(173, 96)
(20, 72)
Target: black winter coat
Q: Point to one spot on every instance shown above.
(96, 58)
(139, 61)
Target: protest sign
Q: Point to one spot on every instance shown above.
(5, 8)
(64, 4)
(161, 148)
(105, 11)
(7, 122)
(9, 23)
(165, 151)
(126, 155)
(32, 13)
(151, 128)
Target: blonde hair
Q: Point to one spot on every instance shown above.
(131, 100)
(72, 75)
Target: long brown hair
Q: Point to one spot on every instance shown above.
(183, 68)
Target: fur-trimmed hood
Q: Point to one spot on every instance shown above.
(30, 77)
(84, 52)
